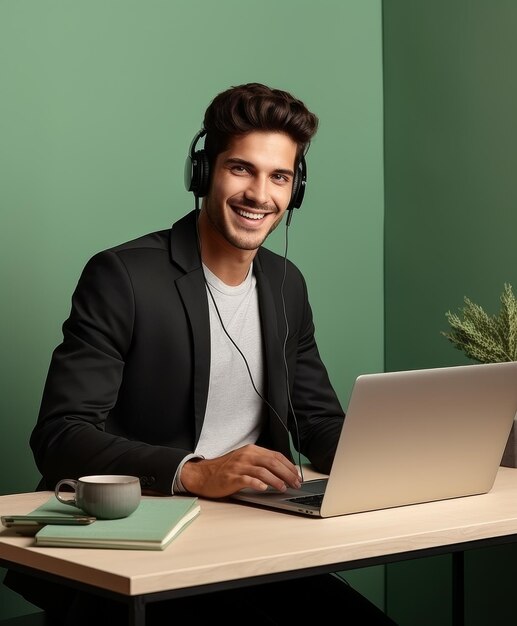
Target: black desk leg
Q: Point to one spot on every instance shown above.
(458, 589)
(136, 611)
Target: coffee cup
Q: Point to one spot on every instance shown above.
(103, 496)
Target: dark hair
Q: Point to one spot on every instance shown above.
(251, 107)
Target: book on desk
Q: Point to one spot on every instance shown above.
(153, 526)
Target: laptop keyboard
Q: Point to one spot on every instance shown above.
(312, 500)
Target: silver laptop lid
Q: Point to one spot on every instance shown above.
(422, 435)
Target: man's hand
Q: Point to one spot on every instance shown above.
(249, 466)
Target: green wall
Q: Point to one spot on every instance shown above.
(450, 94)
(100, 100)
(451, 187)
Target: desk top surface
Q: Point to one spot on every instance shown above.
(229, 541)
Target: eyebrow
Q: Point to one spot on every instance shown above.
(249, 164)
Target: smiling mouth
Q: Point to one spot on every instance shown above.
(249, 215)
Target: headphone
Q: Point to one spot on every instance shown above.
(197, 174)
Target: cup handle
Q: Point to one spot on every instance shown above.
(71, 483)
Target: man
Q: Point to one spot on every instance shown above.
(189, 355)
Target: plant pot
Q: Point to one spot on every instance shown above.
(510, 452)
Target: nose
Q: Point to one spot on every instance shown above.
(257, 190)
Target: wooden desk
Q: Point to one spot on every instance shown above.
(231, 545)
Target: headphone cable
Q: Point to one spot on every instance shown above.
(216, 308)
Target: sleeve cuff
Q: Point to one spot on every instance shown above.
(177, 485)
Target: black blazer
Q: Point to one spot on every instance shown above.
(127, 388)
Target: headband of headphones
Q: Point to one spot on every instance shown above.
(197, 174)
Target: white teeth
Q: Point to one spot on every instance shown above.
(251, 216)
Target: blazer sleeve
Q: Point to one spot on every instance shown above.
(85, 374)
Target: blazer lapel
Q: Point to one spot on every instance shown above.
(191, 286)
(274, 361)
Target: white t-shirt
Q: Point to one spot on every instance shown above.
(234, 411)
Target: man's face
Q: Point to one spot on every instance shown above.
(251, 187)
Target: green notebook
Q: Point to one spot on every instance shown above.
(152, 526)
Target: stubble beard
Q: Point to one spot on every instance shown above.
(240, 242)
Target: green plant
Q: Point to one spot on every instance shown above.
(483, 337)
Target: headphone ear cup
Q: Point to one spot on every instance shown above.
(300, 179)
(189, 173)
(197, 174)
(202, 174)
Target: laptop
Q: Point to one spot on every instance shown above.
(411, 437)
